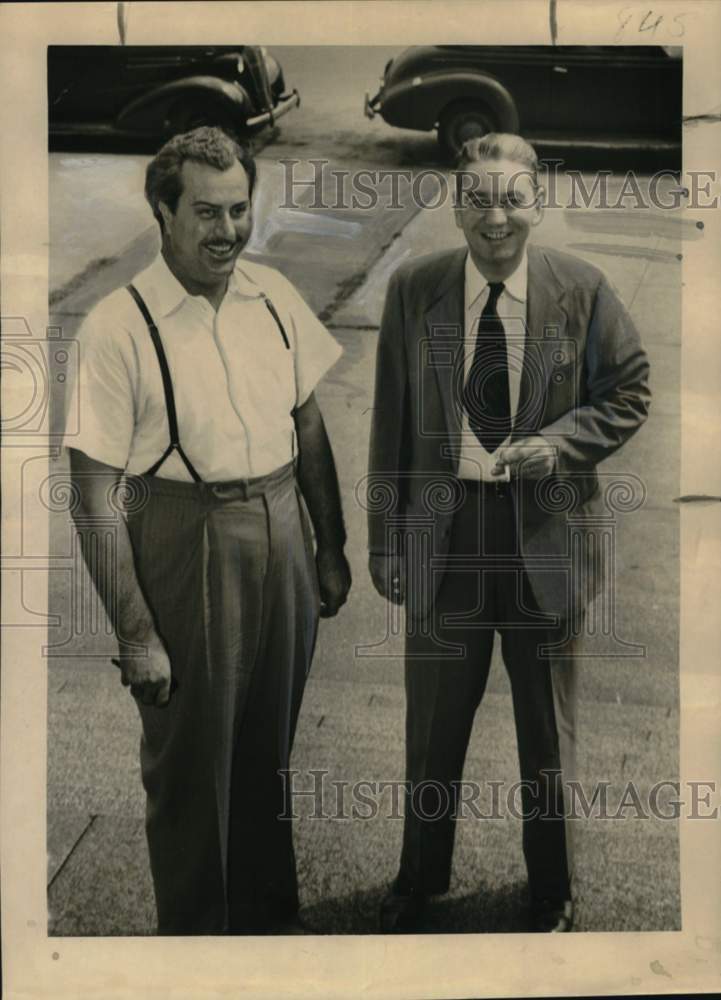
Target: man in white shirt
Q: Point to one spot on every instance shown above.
(196, 384)
(505, 373)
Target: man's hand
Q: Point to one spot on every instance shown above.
(318, 483)
(387, 575)
(531, 458)
(334, 580)
(148, 677)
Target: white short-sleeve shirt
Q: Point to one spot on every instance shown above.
(236, 383)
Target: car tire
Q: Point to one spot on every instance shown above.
(460, 122)
(188, 115)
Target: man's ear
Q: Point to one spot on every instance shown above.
(540, 206)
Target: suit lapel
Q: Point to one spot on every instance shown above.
(445, 330)
(547, 321)
(546, 326)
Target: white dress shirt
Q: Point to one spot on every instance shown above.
(235, 382)
(475, 462)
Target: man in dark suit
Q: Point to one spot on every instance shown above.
(505, 373)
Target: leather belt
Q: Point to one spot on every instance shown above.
(496, 489)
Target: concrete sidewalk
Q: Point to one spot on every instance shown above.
(352, 720)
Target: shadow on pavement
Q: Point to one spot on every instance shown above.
(488, 911)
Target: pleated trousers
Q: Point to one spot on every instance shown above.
(485, 591)
(228, 572)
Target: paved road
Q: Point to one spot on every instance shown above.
(352, 719)
(97, 197)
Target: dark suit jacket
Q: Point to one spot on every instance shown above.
(583, 386)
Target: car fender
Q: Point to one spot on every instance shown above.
(146, 110)
(420, 102)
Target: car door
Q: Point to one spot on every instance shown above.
(146, 67)
(79, 77)
(614, 90)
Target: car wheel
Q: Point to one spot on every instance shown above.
(460, 122)
(187, 115)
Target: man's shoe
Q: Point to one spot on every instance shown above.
(401, 912)
(551, 916)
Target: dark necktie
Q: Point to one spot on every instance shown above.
(486, 395)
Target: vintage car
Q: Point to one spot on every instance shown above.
(157, 91)
(563, 94)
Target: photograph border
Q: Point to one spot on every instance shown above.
(430, 966)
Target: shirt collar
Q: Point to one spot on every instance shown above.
(160, 284)
(516, 284)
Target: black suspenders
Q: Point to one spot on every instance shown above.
(276, 317)
(175, 444)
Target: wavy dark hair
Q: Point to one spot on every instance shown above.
(208, 145)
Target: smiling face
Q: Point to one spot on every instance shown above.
(211, 225)
(500, 204)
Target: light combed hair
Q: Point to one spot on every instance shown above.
(208, 145)
(499, 146)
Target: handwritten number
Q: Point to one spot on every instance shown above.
(624, 18)
(651, 21)
(650, 27)
(681, 27)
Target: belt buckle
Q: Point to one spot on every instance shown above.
(230, 491)
(502, 482)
